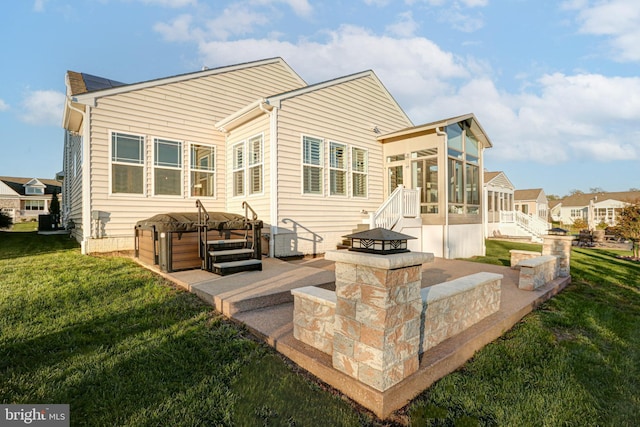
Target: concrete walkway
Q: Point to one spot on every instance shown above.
(262, 301)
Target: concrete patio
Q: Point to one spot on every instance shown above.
(262, 301)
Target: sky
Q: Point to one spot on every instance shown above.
(555, 84)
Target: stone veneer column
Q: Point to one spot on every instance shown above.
(377, 319)
(559, 246)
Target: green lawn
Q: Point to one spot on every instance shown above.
(123, 347)
(25, 226)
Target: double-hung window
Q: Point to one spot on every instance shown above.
(203, 170)
(127, 163)
(359, 171)
(167, 167)
(312, 165)
(238, 169)
(337, 169)
(255, 164)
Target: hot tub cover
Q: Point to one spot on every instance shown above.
(187, 221)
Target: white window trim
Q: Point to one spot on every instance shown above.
(30, 201)
(249, 166)
(111, 163)
(242, 169)
(346, 169)
(154, 166)
(321, 166)
(214, 171)
(365, 173)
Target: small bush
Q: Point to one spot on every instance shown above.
(5, 220)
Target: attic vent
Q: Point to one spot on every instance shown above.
(425, 153)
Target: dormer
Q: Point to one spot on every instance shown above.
(34, 188)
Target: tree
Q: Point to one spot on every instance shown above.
(575, 191)
(596, 190)
(628, 226)
(551, 197)
(54, 210)
(5, 220)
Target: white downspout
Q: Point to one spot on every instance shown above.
(273, 178)
(86, 176)
(86, 181)
(484, 212)
(445, 230)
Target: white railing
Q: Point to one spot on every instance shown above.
(402, 203)
(533, 224)
(507, 216)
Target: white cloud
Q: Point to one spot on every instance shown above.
(405, 26)
(43, 107)
(552, 119)
(236, 20)
(38, 5)
(411, 67)
(3, 105)
(616, 19)
(179, 30)
(462, 21)
(171, 3)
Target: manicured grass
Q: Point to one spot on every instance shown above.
(25, 226)
(498, 251)
(575, 361)
(123, 347)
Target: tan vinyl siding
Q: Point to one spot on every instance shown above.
(259, 202)
(184, 111)
(344, 113)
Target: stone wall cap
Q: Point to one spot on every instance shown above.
(558, 237)
(388, 262)
(521, 251)
(319, 295)
(539, 260)
(453, 287)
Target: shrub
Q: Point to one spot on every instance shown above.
(5, 220)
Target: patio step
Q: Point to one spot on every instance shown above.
(227, 244)
(218, 256)
(224, 268)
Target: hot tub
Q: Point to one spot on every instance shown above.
(170, 240)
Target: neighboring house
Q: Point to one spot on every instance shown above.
(499, 195)
(508, 211)
(23, 199)
(532, 202)
(313, 161)
(594, 208)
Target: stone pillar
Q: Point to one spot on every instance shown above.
(559, 246)
(377, 320)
